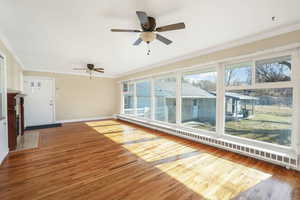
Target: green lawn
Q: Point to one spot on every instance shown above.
(270, 124)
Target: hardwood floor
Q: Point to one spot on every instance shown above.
(119, 161)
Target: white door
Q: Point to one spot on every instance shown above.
(39, 102)
(3, 111)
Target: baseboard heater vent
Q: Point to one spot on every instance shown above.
(261, 154)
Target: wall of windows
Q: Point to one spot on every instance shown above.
(250, 100)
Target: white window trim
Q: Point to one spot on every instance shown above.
(293, 50)
(208, 68)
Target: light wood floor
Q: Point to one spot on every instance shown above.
(114, 160)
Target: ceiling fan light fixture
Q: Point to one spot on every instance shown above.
(148, 36)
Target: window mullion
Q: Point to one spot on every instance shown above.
(135, 99)
(220, 118)
(178, 98)
(121, 86)
(152, 97)
(253, 78)
(296, 99)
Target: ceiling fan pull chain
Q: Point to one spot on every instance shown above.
(149, 51)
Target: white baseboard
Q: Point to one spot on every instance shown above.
(85, 119)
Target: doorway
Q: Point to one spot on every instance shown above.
(40, 101)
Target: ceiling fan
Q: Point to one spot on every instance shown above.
(90, 68)
(149, 30)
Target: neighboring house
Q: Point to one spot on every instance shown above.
(239, 106)
(197, 104)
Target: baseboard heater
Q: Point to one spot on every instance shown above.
(290, 162)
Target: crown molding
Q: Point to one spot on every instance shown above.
(235, 43)
(68, 73)
(11, 50)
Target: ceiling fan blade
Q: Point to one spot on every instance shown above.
(79, 68)
(138, 41)
(99, 68)
(143, 17)
(163, 39)
(171, 27)
(125, 30)
(96, 70)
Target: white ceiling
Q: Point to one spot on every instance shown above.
(56, 35)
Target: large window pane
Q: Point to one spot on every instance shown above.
(143, 95)
(261, 114)
(165, 99)
(274, 70)
(238, 74)
(199, 100)
(128, 98)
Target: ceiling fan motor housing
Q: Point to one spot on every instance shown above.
(90, 66)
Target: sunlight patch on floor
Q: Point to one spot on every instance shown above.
(102, 123)
(213, 177)
(134, 135)
(113, 129)
(157, 149)
(209, 176)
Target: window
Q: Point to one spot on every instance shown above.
(165, 99)
(198, 100)
(238, 74)
(143, 97)
(257, 100)
(264, 112)
(261, 114)
(128, 92)
(274, 70)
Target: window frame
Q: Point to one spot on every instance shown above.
(208, 68)
(135, 98)
(172, 75)
(267, 85)
(293, 50)
(123, 97)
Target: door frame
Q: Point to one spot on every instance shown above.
(2, 54)
(53, 93)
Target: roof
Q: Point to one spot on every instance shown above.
(240, 96)
(168, 89)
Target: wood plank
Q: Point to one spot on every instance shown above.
(118, 160)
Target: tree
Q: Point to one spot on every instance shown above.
(273, 72)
